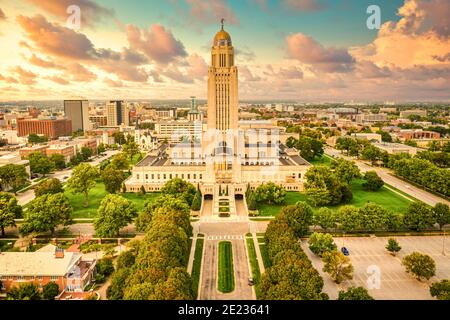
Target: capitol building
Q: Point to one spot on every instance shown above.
(224, 156)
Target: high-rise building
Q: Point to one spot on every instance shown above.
(78, 112)
(51, 128)
(117, 113)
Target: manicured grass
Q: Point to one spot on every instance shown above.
(384, 197)
(96, 195)
(254, 265)
(226, 272)
(197, 265)
(323, 160)
(264, 254)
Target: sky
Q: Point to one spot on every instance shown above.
(303, 50)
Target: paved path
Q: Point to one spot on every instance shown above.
(387, 177)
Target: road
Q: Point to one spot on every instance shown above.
(384, 174)
(215, 233)
(27, 196)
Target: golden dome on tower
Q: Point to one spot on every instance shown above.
(222, 37)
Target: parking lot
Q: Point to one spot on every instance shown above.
(370, 259)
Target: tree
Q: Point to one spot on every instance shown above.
(49, 186)
(112, 178)
(372, 216)
(346, 170)
(371, 153)
(441, 214)
(178, 286)
(349, 218)
(298, 217)
(40, 163)
(104, 268)
(116, 289)
(101, 148)
(251, 201)
(270, 193)
(180, 188)
(372, 181)
(9, 210)
(385, 136)
(46, 213)
(35, 139)
(13, 176)
(86, 153)
(50, 291)
(197, 202)
(419, 216)
(83, 180)
(130, 149)
(309, 148)
(114, 213)
(325, 218)
(420, 265)
(120, 162)
(393, 247)
(355, 293)
(58, 160)
(319, 243)
(24, 291)
(119, 137)
(441, 290)
(337, 266)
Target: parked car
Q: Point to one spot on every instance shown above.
(345, 251)
(251, 282)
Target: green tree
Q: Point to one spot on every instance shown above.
(337, 266)
(117, 287)
(441, 214)
(349, 218)
(114, 213)
(9, 210)
(112, 178)
(83, 180)
(50, 291)
(319, 243)
(346, 170)
(24, 291)
(385, 136)
(325, 218)
(104, 268)
(49, 186)
(101, 148)
(270, 193)
(58, 160)
(119, 137)
(39, 163)
(372, 181)
(35, 139)
(178, 286)
(130, 149)
(197, 202)
(371, 153)
(419, 216)
(392, 246)
(13, 176)
(180, 188)
(372, 216)
(120, 162)
(86, 153)
(355, 293)
(251, 201)
(298, 217)
(46, 213)
(441, 290)
(420, 265)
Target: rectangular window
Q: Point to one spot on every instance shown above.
(54, 278)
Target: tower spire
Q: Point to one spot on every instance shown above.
(222, 21)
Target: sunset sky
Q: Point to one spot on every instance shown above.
(306, 50)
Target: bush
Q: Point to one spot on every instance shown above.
(50, 291)
(441, 290)
(393, 246)
(319, 243)
(355, 293)
(104, 268)
(372, 181)
(420, 265)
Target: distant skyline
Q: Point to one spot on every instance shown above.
(303, 50)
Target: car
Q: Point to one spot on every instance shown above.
(345, 251)
(251, 282)
(65, 178)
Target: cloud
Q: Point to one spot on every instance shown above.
(174, 73)
(113, 83)
(157, 43)
(2, 15)
(212, 11)
(369, 70)
(91, 12)
(443, 58)
(247, 75)
(79, 73)
(8, 79)
(244, 53)
(198, 67)
(307, 50)
(304, 5)
(25, 77)
(35, 60)
(58, 80)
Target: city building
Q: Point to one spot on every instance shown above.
(78, 112)
(14, 158)
(26, 151)
(98, 121)
(371, 118)
(67, 269)
(225, 156)
(51, 128)
(416, 112)
(11, 137)
(413, 134)
(67, 151)
(368, 136)
(394, 148)
(117, 113)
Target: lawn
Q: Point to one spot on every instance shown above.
(197, 265)
(254, 264)
(95, 197)
(384, 197)
(323, 160)
(226, 272)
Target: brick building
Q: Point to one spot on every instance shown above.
(51, 128)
